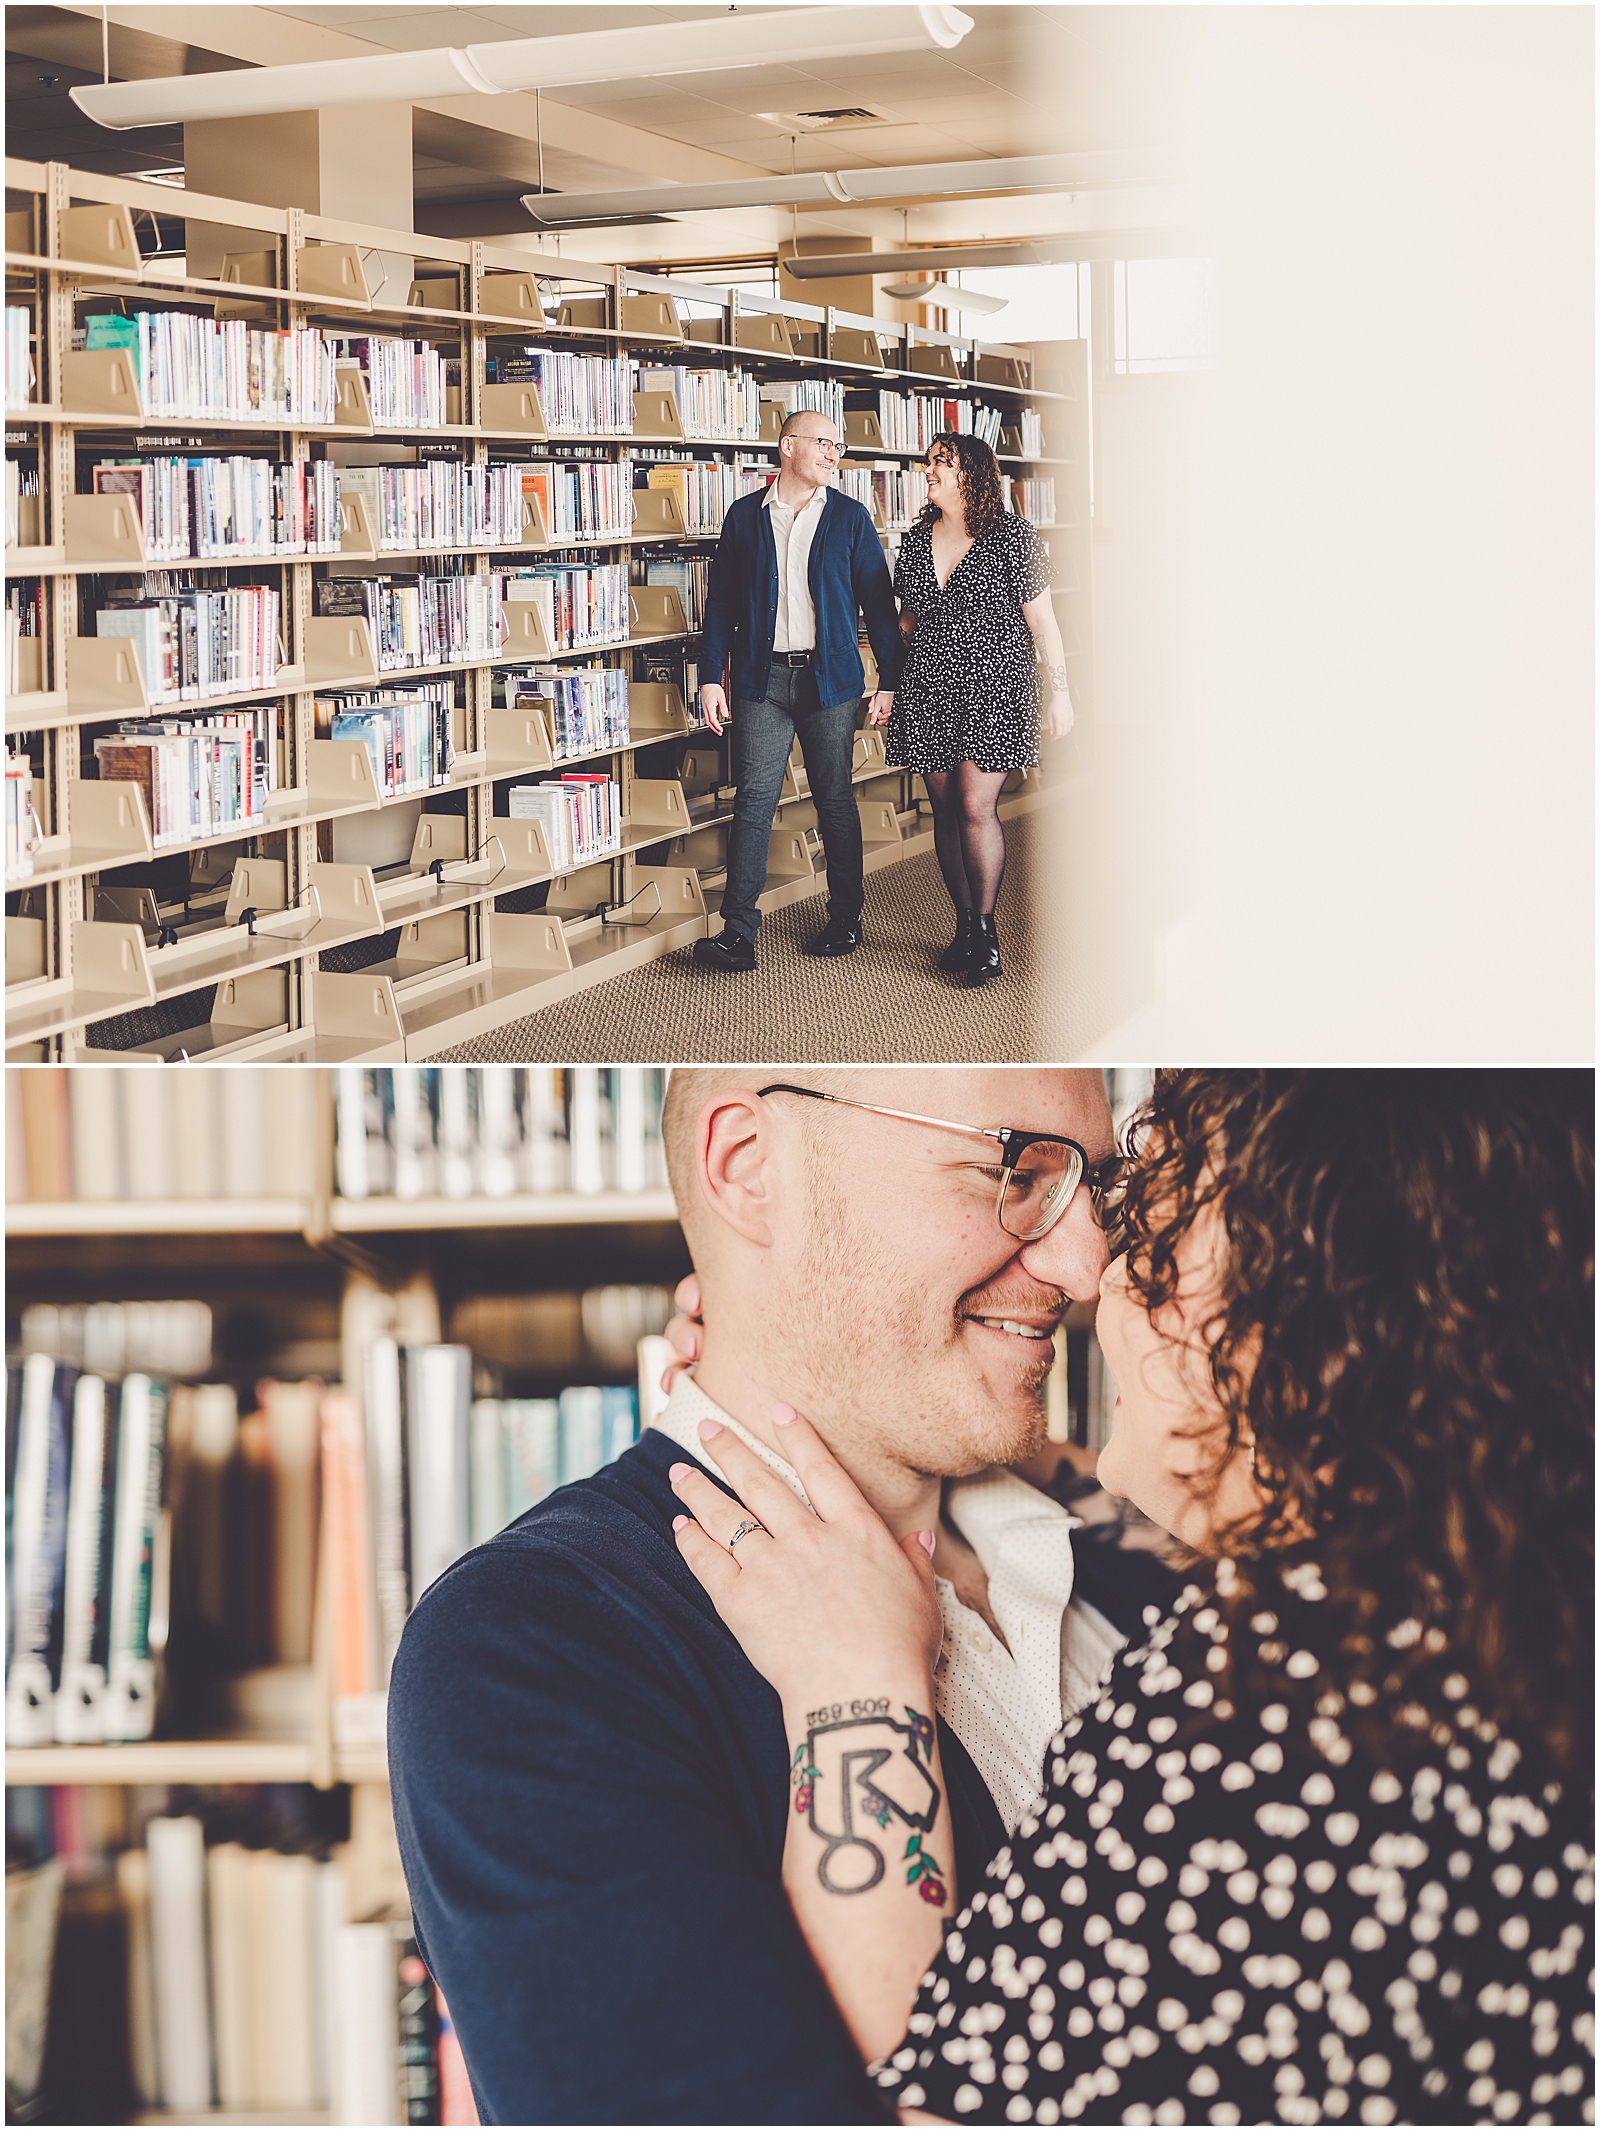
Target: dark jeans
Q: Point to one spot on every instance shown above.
(763, 732)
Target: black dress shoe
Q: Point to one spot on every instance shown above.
(984, 965)
(959, 953)
(840, 936)
(729, 950)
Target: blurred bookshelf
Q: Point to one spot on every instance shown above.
(497, 1327)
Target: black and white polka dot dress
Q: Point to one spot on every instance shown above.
(967, 691)
(1232, 1916)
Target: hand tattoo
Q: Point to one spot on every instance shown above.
(876, 1768)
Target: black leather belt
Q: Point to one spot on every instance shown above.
(793, 658)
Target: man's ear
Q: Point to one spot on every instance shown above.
(734, 1164)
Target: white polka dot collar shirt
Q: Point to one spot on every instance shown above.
(1004, 1706)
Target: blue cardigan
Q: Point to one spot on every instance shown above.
(591, 1794)
(847, 571)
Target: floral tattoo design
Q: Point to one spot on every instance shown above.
(860, 1766)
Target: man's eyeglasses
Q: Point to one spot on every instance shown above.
(1039, 1171)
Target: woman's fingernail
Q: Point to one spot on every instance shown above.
(927, 1540)
(678, 1523)
(676, 1472)
(783, 1415)
(709, 1428)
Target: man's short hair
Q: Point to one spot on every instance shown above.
(690, 1088)
(789, 420)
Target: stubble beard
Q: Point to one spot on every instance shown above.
(886, 1372)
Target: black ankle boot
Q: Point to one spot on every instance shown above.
(957, 955)
(984, 965)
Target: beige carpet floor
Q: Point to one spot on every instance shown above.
(887, 1003)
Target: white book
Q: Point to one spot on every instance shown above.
(412, 1126)
(547, 1148)
(350, 1129)
(656, 1353)
(531, 1428)
(386, 1501)
(232, 1980)
(80, 1703)
(176, 1850)
(130, 1701)
(246, 1171)
(488, 1470)
(455, 1134)
(39, 1498)
(148, 1157)
(96, 1133)
(497, 1131)
(438, 1398)
(330, 1913)
(142, 626)
(366, 2067)
(291, 1130)
(584, 1128)
(583, 1444)
(293, 1953)
(195, 1137)
(628, 1127)
(133, 1888)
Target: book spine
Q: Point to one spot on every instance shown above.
(141, 1450)
(387, 1499)
(418, 2021)
(178, 1957)
(38, 1537)
(80, 1700)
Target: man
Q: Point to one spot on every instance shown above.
(590, 1780)
(792, 568)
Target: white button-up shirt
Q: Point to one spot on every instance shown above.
(1003, 1705)
(792, 534)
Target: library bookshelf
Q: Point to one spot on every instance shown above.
(338, 917)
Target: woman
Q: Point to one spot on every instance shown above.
(973, 586)
(1323, 1848)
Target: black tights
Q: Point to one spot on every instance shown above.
(967, 835)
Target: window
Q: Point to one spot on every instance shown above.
(1042, 302)
(1163, 315)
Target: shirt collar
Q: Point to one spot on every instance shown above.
(679, 1421)
(769, 501)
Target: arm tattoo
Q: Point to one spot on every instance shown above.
(875, 1769)
(1058, 678)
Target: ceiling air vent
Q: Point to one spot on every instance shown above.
(826, 121)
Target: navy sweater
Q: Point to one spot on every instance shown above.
(846, 571)
(591, 1794)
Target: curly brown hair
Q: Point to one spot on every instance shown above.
(983, 492)
(1405, 1328)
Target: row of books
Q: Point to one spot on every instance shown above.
(250, 1989)
(1031, 424)
(222, 369)
(166, 1339)
(22, 822)
(583, 604)
(588, 706)
(582, 395)
(19, 356)
(911, 420)
(1035, 500)
(405, 379)
(719, 405)
(194, 640)
(820, 395)
(21, 480)
(494, 1131)
(440, 503)
(581, 815)
(899, 493)
(234, 506)
(419, 619)
(200, 776)
(581, 498)
(706, 488)
(690, 578)
(140, 1132)
(84, 1521)
(409, 733)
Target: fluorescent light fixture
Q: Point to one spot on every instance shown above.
(827, 266)
(945, 294)
(834, 188)
(716, 43)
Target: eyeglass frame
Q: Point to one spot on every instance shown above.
(1013, 1144)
